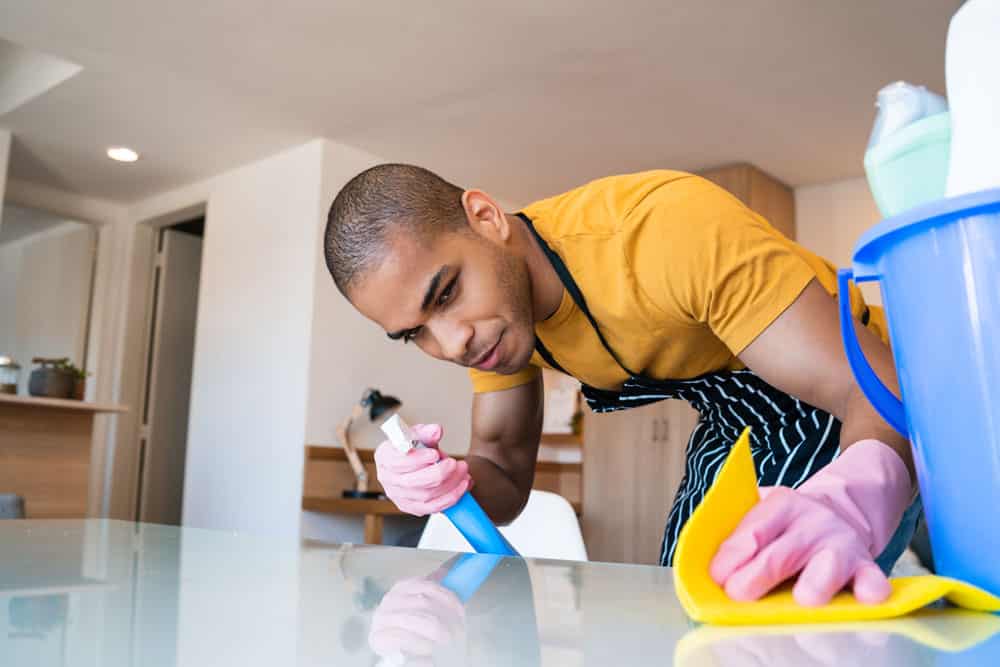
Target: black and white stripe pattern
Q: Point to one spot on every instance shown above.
(790, 440)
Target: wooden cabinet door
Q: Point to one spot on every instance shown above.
(761, 192)
(633, 461)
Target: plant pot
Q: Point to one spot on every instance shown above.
(50, 382)
(79, 388)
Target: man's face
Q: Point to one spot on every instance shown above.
(459, 297)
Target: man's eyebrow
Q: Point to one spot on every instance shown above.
(432, 288)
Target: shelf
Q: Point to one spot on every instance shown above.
(332, 505)
(59, 404)
(562, 439)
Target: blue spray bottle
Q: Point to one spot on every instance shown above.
(466, 515)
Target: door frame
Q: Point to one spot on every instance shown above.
(123, 473)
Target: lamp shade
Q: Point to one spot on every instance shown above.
(378, 404)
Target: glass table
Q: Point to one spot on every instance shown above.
(116, 594)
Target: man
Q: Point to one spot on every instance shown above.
(644, 287)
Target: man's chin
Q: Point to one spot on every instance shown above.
(515, 367)
(504, 369)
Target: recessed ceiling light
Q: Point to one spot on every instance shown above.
(122, 154)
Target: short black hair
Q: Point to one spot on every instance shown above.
(380, 200)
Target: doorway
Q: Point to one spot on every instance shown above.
(168, 360)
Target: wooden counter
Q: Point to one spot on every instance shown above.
(46, 448)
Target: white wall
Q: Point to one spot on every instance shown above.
(4, 159)
(250, 379)
(831, 217)
(46, 279)
(10, 266)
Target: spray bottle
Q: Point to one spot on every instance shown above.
(466, 515)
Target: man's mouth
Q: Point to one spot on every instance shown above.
(489, 359)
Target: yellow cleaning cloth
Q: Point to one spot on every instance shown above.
(726, 503)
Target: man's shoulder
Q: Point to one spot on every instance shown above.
(600, 206)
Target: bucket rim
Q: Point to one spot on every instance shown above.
(938, 211)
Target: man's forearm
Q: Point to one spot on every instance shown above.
(496, 492)
(862, 422)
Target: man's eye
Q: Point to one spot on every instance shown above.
(410, 335)
(446, 293)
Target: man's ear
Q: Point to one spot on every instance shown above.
(485, 216)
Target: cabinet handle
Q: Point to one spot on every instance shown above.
(661, 430)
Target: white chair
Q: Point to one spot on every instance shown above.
(546, 528)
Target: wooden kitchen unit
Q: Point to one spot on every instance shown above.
(633, 465)
(46, 450)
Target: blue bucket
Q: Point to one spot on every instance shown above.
(938, 266)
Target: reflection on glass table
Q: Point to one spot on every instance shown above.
(934, 636)
(119, 594)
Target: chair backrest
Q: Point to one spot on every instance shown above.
(546, 528)
(11, 506)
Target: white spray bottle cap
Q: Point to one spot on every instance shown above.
(399, 434)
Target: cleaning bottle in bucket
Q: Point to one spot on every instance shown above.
(907, 158)
(466, 515)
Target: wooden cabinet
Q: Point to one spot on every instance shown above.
(633, 464)
(760, 191)
(49, 457)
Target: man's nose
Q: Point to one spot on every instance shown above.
(453, 338)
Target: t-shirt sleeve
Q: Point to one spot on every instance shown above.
(701, 257)
(485, 381)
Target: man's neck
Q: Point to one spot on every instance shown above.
(546, 287)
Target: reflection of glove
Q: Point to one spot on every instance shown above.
(414, 618)
(831, 529)
(809, 649)
(422, 481)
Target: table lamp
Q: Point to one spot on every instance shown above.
(374, 404)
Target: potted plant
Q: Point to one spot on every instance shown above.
(79, 378)
(57, 378)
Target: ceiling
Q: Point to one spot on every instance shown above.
(523, 99)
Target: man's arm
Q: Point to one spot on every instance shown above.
(801, 354)
(831, 529)
(506, 429)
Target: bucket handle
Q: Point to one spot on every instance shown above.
(884, 401)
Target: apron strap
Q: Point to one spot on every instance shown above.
(547, 356)
(574, 291)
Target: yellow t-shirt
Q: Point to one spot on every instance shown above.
(679, 274)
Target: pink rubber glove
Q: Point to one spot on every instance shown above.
(422, 481)
(415, 618)
(831, 529)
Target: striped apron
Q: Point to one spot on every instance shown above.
(789, 439)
